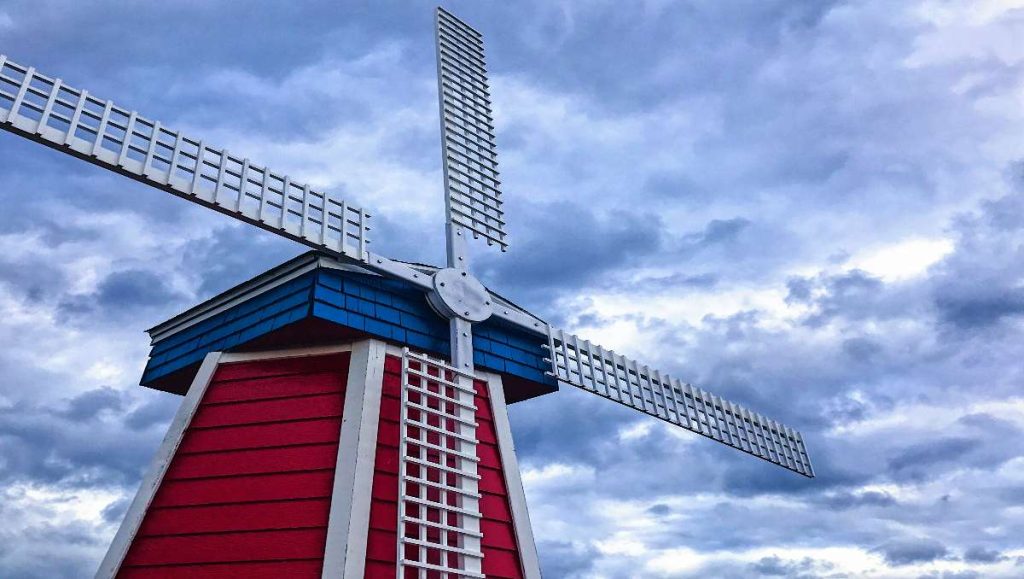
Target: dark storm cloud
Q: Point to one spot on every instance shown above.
(980, 286)
(81, 445)
(130, 288)
(122, 294)
(907, 551)
(567, 559)
(717, 231)
(88, 405)
(983, 306)
(570, 246)
(978, 554)
(844, 500)
(911, 460)
(775, 566)
(234, 254)
(153, 412)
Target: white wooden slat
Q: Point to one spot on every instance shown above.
(197, 171)
(127, 141)
(20, 97)
(102, 130)
(76, 117)
(243, 184)
(175, 153)
(154, 140)
(48, 109)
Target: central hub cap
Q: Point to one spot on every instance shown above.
(457, 294)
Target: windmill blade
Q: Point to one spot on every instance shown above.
(73, 121)
(472, 189)
(603, 372)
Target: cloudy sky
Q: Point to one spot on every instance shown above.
(811, 207)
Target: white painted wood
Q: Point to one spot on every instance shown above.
(157, 468)
(349, 521)
(287, 353)
(513, 480)
(449, 411)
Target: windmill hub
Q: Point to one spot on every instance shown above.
(457, 294)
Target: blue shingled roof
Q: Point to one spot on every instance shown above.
(385, 308)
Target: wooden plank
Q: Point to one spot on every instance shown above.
(244, 517)
(308, 569)
(228, 547)
(320, 406)
(257, 461)
(245, 489)
(274, 387)
(281, 366)
(260, 435)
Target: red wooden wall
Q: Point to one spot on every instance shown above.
(249, 490)
(501, 555)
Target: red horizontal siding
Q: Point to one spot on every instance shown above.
(228, 547)
(274, 387)
(246, 489)
(262, 435)
(254, 461)
(308, 569)
(238, 517)
(248, 492)
(261, 411)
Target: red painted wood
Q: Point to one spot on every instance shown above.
(303, 569)
(252, 478)
(243, 517)
(255, 461)
(495, 507)
(502, 564)
(260, 411)
(261, 435)
(501, 553)
(246, 489)
(498, 534)
(274, 387)
(283, 366)
(228, 547)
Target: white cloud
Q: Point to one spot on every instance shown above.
(902, 260)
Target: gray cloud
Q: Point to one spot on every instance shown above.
(907, 551)
(978, 554)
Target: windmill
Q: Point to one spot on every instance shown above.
(301, 362)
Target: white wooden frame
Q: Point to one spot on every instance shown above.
(345, 554)
(513, 479)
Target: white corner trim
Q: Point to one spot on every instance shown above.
(513, 480)
(349, 522)
(229, 357)
(157, 468)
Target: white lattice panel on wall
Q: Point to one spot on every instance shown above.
(439, 500)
